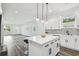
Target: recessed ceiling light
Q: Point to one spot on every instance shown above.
(16, 12)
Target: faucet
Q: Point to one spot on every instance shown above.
(67, 32)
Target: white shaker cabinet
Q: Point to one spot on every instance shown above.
(55, 47)
(77, 43)
(63, 40)
(37, 50)
(48, 49)
(70, 41)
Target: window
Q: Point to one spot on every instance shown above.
(7, 28)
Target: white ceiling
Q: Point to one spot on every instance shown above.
(19, 13)
(61, 6)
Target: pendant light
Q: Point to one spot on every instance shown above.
(37, 19)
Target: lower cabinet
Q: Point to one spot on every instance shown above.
(38, 50)
(48, 49)
(77, 43)
(55, 48)
(71, 42)
(63, 40)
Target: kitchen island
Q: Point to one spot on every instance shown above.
(47, 45)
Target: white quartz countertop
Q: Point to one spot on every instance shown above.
(40, 40)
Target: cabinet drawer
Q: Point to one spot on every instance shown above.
(49, 43)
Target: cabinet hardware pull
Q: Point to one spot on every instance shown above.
(58, 39)
(55, 40)
(57, 45)
(50, 51)
(75, 40)
(52, 42)
(47, 45)
(66, 40)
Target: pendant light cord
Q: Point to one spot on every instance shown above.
(46, 11)
(37, 10)
(42, 10)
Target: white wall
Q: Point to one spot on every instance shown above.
(28, 28)
(53, 23)
(15, 29)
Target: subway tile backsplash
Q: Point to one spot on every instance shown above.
(53, 31)
(64, 31)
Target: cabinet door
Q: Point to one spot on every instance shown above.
(71, 42)
(77, 43)
(55, 48)
(37, 50)
(63, 40)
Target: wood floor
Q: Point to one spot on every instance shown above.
(68, 52)
(63, 52)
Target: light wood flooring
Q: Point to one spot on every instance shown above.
(63, 52)
(67, 52)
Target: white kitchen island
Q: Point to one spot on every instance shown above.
(43, 46)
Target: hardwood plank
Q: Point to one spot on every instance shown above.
(69, 51)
